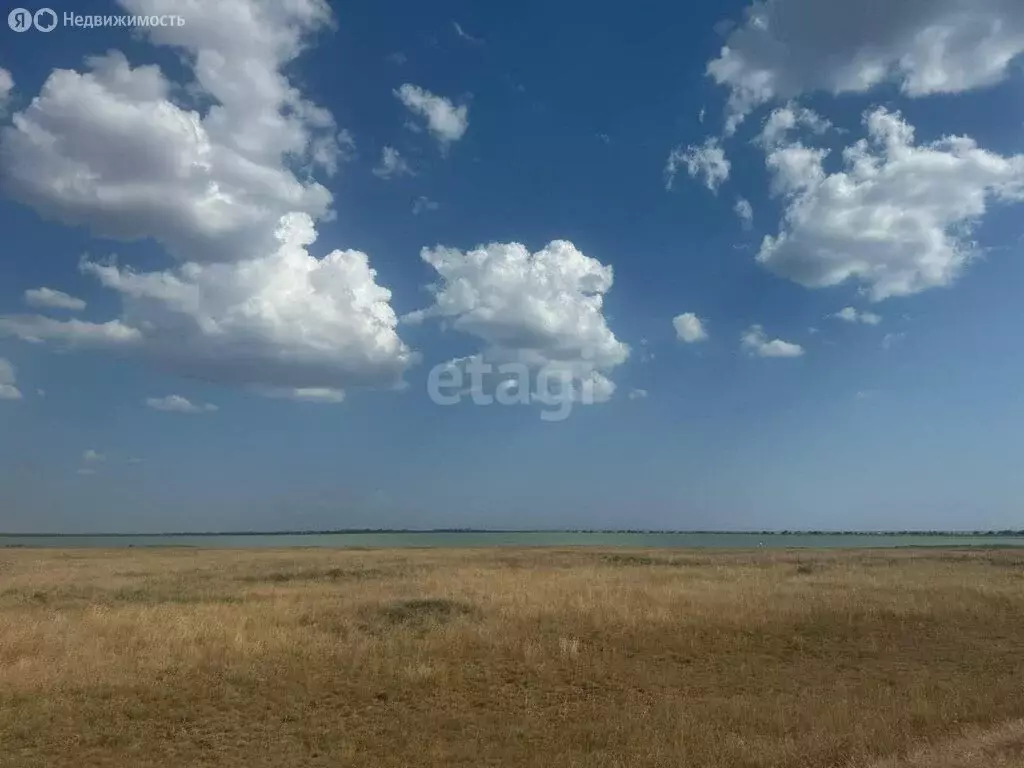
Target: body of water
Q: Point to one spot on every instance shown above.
(517, 539)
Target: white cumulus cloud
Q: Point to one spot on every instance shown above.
(286, 320)
(897, 217)
(445, 121)
(108, 149)
(689, 328)
(781, 122)
(227, 189)
(542, 309)
(755, 341)
(784, 48)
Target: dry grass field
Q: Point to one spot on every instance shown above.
(549, 658)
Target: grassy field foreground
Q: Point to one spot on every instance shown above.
(565, 659)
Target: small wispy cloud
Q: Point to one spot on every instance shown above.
(179, 404)
(326, 395)
(316, 395)
(646, 355)
(707, 160)
(346, 146)
(392, 165)
(446, 121)
(460, 32)
(8, 380)
(49, 298)
(851, 315)
(745, 211)
(689, 328)
(755, 341)
(891, 339)
(6, 88)
(423, 204)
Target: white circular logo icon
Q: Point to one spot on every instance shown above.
(45, 19)
(20, 20)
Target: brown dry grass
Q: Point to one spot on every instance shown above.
(568, 658)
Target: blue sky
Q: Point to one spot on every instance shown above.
(551, 188)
